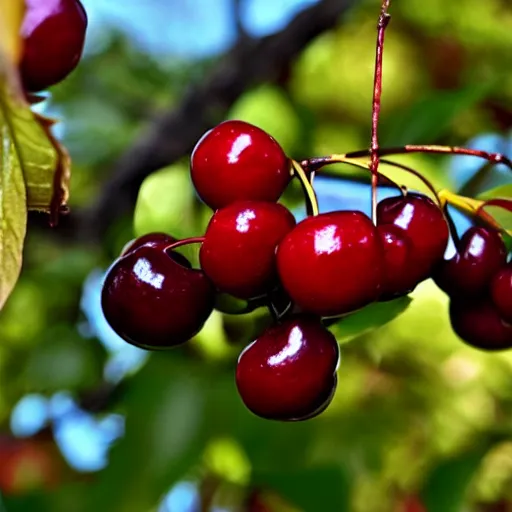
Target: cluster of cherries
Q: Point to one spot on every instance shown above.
(478, 281)
(328, 265)
(52, 35)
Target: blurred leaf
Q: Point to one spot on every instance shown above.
(371, 317)
(430, 117)
(312, 489)
(64, 360)
(503, 191)
(445, 488)
(166, 202)
(268, 108)
(166, 432)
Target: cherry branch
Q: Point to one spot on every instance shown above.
(376, 104)
(494, 158)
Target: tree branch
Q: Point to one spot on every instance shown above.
(173, 134)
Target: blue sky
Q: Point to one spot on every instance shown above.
(186, 28)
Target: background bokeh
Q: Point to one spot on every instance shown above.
(419, 421)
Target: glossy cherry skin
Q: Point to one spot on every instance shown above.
(332, 263)
(424, 224)
(237, 161)
(289, 372)
(53, 35)
(154, 302)
(480, 254)
(156, 239)
(399, 275)
(478, 323)
(501, 292)
(238, 252)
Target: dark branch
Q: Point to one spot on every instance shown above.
(174, 133)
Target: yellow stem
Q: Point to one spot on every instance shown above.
(306, 185)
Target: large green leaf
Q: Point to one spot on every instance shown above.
(34, 168)
(13, 202)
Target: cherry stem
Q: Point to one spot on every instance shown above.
(185, 241)
(416, 173)
(494, 158)
(313, 165)
(299, 172)
(376, 104)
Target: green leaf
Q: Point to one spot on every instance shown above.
(446, 486)
(430, 117)
(33, 170)
(166, 431)
(13, 201)
(371, 317)
(312, 489)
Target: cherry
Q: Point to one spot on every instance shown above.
(154, 302)
(480, 254)
(236, 160)
(157, 240)
(289, 372)
(238, 252)
(149, 239)
(477, 322)
(53, 35)
(501, 292)
(425, 226)
(399, 275)
(332, 263)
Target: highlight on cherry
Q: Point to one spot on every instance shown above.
(327, 266)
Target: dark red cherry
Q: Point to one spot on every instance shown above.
(332, 263)
(153, 301)
(477, 322)
(424, 224)
(501, 292)
(157, 240)
(53, 36)
(480, 254)
(237, 161)
(238, 252)
(399, 275)
(289, 372)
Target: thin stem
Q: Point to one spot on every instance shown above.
(376, 104)
(313, 165)
(308, 189)
(185, 241)
(416, 173)
(494, 158)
